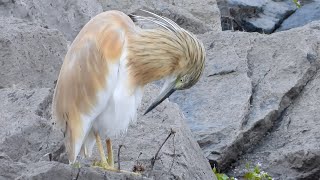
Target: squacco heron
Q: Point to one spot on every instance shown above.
(101, 81)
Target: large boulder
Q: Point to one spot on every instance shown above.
(30, 55)
(28, 137)
(292, 149)
(250, 82)
(66, 16)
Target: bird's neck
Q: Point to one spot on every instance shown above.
(153, 55)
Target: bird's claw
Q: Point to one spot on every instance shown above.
(106, 166)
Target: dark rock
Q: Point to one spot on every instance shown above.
(254, 16)
(304, 15)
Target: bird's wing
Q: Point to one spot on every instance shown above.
(83, 86)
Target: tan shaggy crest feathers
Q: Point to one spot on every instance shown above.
(157, 53)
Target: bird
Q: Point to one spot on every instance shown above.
(102, 78)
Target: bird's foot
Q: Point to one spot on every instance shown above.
(105, 165)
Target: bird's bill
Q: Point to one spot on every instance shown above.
(162, 96)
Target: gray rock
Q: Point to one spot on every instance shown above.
(262, 16)
(28, 138)
(30, 56)
(66, 16)
(304, 15)
(249, 82)
(191, 15)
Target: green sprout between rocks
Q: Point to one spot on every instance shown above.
(256, 173)
(297, 3)
(222, 176)
(251, 174)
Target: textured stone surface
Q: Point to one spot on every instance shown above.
(293, 144)
(262, 16)
(30, 56)
(249, 82)
(304, 15)
(66, 16)
(58, 171)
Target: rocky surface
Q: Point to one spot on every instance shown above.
(250, 83)
(292, 146)
(307, 13)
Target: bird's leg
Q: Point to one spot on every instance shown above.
(110, 152)
(100, 148)
(104, 164)
(108, 165)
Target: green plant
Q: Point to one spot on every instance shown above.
(251, 174)
(222, 176)
(256, 173)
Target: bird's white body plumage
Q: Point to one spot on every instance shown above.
(116, 107)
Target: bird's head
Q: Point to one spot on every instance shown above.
(186, 57)
(187, 77)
